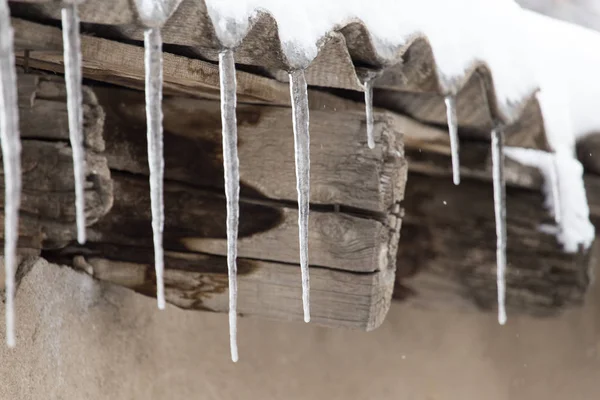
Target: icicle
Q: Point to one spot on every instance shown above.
(500, 212)
(555, 189)
(231, 165)
(369, 112)
(72, 59)
(11, 159)
(299, 95)
(154, 118)
(453, 131)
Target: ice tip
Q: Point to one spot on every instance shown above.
(10, 341)
(307, 318)
(161, 304)
(81, 239)
(371, 143)
(234, 355)
(502, 318)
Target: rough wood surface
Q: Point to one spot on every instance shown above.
(446, 258)
(354, 224)
(448, 250)
(344, 170)
(352, 249)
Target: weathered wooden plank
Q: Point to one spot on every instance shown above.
(195, 222)
(344, 170)
(123, 64)
(47, 200)
(448, 249)
(266, 289)
(446, 257)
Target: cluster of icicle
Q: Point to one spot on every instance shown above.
(153, 14)
(11, 144)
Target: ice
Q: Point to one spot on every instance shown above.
(11, 160)
(369, 112)
(72, 59)
(453, 131)
(154, 117)
(500, 213)
(299, 95)
(555, 190)
(231, 166)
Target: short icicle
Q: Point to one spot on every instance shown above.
(299, 95)
(11, 159)
(369, 112)
(500, 213)
(154, 119)
(231, 166)
(556, 200)
(453, 131)
(72, 60)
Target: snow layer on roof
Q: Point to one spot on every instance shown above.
(460, 32)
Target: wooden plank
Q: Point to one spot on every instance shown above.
(446, 258)
(47, 199)
(265, 289)
(123, 64)
(195, 222)
(448, 250)
(344, 170)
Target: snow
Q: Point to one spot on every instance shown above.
(72, 60)
(231, 165)
(460, 32)
(500, 214)
(299, 95)
(574, 227)
(154, 13)
(154, 133)
(11, 159)
(453, 132)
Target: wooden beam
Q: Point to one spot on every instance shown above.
(345, 172)
(266, 289)
(352, 249)
(446, 257)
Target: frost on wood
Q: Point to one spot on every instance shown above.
(369, 112)
(72, 61)
(154, 117)
(231, 166)
(11, 159)
(453, 132)
(500, 213)
(299, 95)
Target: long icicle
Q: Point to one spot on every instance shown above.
(299, 95)
(556, 200)
(369, 112)
(154, 118)
(11, 159)
(72, 59)
(231, 166)
(453, 131)
(500, 213)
